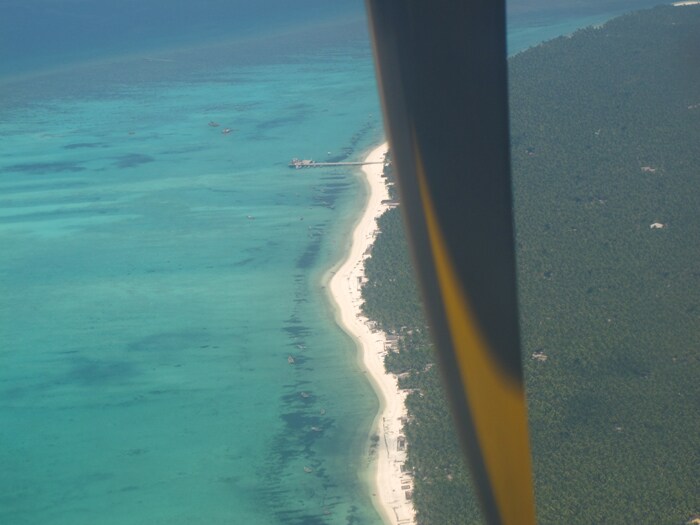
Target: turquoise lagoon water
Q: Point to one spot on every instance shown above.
(156, 275)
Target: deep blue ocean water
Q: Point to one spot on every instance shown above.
(156, 274)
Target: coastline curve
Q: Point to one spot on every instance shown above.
(392, 486)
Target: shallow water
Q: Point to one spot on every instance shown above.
(156, 275)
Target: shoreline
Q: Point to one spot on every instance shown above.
(390, 484)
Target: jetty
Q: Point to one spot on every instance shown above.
(304, 163)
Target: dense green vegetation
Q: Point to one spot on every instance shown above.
(394, 284)
(441, 492)
(606, 141)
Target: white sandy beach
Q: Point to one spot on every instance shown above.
(392, 486)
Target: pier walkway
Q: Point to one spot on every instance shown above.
(299, 164)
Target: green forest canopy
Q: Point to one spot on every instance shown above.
(605, 131)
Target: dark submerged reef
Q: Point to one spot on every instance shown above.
(605, 145)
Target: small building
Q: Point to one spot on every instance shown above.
(301, 163)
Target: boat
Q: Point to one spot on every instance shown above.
(213, 124)
(291, 360)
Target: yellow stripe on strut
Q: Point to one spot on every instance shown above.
(495, 399)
